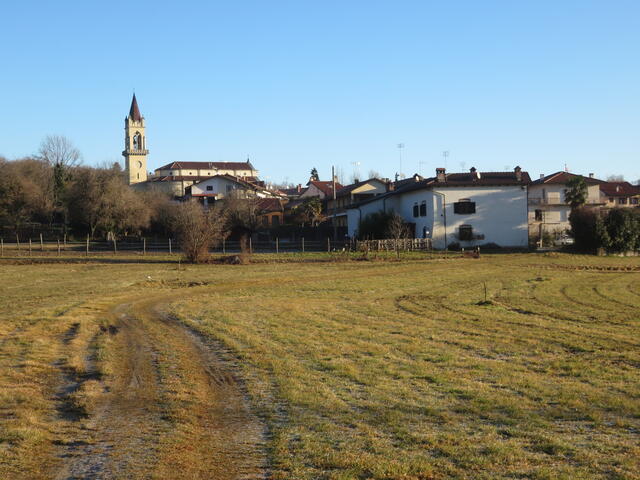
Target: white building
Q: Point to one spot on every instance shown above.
(220, 186)
(470, 209)
(548, 209)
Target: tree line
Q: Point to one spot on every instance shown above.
(54, 190)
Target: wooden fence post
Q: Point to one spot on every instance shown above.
(328, 244)
(18, 241)
(87, 249)
(58, 247)
(250, 246)
(1, 247)
(64, 239)
(115, 248)
(41, 244)
(302, 244)
(144, 246)
(169, 246)
(29, 246)
(277, 245)
(224, 246)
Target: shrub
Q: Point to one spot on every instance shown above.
(586, 229)
(375, 225)
(198, 230)
(621, 232)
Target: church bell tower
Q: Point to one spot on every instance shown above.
(135, 145)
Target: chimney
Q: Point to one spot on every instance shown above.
(541, 176)
(299, 187)
(474, 173)
(591, 175)
(441, 175)
(518, 172)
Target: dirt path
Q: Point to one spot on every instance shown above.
(169, 407)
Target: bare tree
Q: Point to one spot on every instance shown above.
(397, 229)
(101, 201)
(615, 178)
(374, 174)
(198, 229)
(58, 150)
(243, 217)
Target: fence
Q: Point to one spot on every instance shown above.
(31, 247)
(145, 246)
(391, 245)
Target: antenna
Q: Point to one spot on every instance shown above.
(445, 155)
(400, 147)
(421, 164)
(356, 170)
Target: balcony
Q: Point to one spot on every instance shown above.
(135, 152)
(556, 201)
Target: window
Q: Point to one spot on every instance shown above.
(275, 220)
(416, 210)
(229, 188)
(611, 199)
(622, 201)
(464, 206)
(137, 142)
(465, 232)
(634, 201)
(539, 216)
(423, 209)
(209, 188)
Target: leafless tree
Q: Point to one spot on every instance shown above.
(57, 150)
(398, 230)
(198, 229)
(243, 217)
(374, 174)
(101, 201)
(615, 178)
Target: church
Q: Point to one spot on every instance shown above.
(175, 177)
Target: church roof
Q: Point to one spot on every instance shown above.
(134, 111)
(207, 166)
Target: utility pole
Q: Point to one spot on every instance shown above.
(333, 183)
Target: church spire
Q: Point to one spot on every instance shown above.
(134, 111)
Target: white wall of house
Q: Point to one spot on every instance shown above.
(500, 216)
(550, 200)
(221, 186)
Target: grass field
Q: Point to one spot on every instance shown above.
(507, 366)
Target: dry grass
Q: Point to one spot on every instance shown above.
(382, 370)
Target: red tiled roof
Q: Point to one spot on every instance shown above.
(270, 205)
(134, 111)
(207, 166)
(347, 189)
(325, 187)
(619, 189)
(563, 177)
(487, 178)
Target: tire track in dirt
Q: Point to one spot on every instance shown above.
(170, 408)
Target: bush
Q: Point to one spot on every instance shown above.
(198, 230)
(621, 232)
(375, 226)
(586, 229)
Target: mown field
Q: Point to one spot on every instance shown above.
(507, 366)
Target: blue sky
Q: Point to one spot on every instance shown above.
(295, 85)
